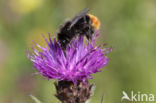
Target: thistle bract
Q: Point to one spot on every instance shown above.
(76, 63)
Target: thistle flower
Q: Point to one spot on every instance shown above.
(80, 60)
(71, 67)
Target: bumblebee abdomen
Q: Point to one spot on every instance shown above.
(94, 21)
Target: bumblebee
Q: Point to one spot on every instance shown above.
(82, 24)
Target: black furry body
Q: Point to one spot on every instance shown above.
(79, 25)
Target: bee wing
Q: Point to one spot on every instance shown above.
(78, 16)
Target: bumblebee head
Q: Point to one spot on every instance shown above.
(94, 21)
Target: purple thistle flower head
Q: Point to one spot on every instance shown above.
(76, 63)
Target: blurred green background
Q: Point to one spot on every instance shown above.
(129, 26)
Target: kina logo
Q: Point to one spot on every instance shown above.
(140, 97)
